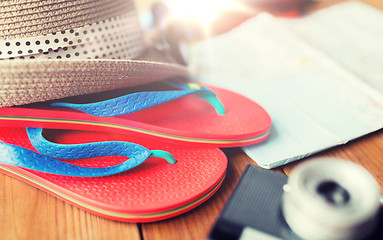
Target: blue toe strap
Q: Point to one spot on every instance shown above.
(141, 100)
(46, 162)
(25, 158)
(135, 152)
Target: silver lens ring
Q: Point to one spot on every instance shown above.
(331, 199)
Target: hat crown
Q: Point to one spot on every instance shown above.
(44, 28)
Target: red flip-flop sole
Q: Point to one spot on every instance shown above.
(152, 191)
(189, 120)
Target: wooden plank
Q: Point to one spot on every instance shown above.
(375, 3)
(29, 213)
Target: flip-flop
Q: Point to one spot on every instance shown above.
(190, 114)
(149, 189)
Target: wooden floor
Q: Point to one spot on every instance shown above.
(28, 213)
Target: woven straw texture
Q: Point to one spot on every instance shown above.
(55, 72)
(19, 19)
(26, 82)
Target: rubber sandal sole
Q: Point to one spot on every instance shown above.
(153, 191)
(187, 121)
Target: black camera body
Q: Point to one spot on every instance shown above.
(254, 210)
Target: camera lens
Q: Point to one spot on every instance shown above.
(333, 193)
(331, 199)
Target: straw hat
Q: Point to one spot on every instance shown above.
(51, 49)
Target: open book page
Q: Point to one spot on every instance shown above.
(320, 77)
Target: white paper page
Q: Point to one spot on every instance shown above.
(317, 93)
(351, 34)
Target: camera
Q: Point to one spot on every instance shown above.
(324, 199)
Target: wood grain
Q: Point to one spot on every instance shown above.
(28, 213)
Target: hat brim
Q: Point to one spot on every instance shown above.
(27, 81)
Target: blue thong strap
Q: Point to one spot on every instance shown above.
(46, 162)
(141, 100)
